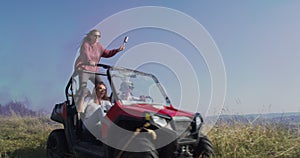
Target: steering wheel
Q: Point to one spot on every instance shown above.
(148, 99)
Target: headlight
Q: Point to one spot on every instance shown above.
(182, 123)
(160, 121)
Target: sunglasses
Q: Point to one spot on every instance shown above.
(97, 36)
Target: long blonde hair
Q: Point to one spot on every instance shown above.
(86, 38)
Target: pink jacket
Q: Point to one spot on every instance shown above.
(92, 52)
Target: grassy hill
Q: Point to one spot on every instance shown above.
(25, 137)
(234, 136)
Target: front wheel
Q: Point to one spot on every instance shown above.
(204, 149)
(56, 144)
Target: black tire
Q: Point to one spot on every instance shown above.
(57, 144)
(204, 149)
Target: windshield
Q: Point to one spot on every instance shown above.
(133, 87)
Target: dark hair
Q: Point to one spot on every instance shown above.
(105, 97)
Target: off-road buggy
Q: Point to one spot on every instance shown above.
(136, 128)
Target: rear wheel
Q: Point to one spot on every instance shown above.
(56, 144)
(204, 149)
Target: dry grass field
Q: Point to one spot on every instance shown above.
(25, 137)
(260, 140)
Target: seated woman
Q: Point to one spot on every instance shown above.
(93, 111)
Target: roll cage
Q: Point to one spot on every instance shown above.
(116, 75)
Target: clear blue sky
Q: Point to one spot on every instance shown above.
(258, 41)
